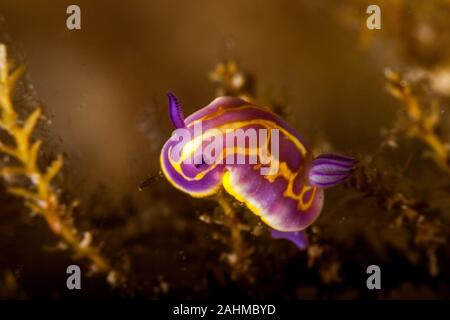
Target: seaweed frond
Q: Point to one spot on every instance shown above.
(39, 193)
(9, 287)
(232, 81)
(407, 212)
(418, 122)
(239, 257)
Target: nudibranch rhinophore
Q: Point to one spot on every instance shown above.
(288, 197)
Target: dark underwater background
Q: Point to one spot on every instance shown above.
(345, 88)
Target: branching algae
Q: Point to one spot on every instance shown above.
(416, 122)
(39, 193)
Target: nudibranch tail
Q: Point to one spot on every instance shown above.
(296, 237)
(175, 112)
(329, 170)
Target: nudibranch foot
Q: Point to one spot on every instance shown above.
(296, 237)
(329, 170)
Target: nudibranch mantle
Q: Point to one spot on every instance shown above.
(288, 200)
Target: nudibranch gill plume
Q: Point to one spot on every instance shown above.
(287, 199)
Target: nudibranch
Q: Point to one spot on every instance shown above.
(288, 199)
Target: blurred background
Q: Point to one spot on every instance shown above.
(315, 62)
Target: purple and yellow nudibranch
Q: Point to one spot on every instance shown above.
(288, 200)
